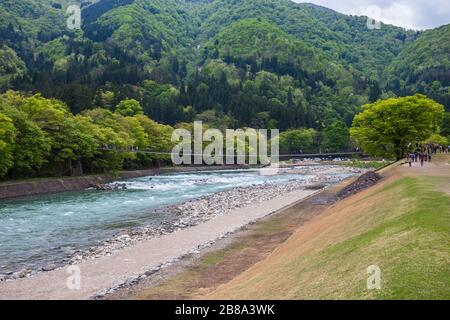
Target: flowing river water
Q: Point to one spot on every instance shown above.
(43, 230)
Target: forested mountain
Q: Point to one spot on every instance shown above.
(424, 66)
(240, 63)
(342, 38)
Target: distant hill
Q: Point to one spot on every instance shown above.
(297, 64)
(424, 66)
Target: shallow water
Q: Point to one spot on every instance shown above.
(38, 231)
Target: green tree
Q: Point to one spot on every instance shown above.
(32, 144)
(159, 135)
(216, 120)
(336, 137)
(136, 132)
(445, 128)
(104, 99)
(73, 139)
(11, 66)
(129, 108)
(298, 140)
(114, 137)
(7, 140)
(437, 139)
(386, 127)
(159, 140)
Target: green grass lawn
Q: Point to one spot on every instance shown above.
(410, 243)
(403, 227)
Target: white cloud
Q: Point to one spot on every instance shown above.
(411, 14)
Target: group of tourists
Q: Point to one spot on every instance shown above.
(423, 153)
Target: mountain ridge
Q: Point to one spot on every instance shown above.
(180, 45)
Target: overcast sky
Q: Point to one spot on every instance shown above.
(411, 14)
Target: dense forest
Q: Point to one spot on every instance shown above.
(138, 68)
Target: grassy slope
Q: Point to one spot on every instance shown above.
(402, 225)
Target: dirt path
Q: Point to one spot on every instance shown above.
(440, 165)
(104, 273)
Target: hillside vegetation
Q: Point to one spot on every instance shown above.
(300, 68)
(424, 66)
(125, 42)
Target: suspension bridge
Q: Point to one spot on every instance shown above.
(300, 156)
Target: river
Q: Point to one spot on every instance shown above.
(43, 230)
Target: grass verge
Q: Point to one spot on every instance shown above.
(401, 226)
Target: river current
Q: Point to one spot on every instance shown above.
(42, 230)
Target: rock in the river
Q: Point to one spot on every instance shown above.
(317, 186)
(49, 267)
(23, 273)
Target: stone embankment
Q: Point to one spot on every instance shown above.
(16, 189)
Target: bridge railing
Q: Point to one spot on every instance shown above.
(281, 156)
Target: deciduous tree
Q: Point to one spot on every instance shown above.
(386, 127)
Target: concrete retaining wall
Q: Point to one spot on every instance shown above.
(15, 189)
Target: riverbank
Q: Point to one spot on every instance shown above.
(203, 271)
(400, 227)
(321, 248)
(42, 186)
(195, 212)
(199, 223)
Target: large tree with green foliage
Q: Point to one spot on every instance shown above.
(11, 66)
(335, 137)
(32, 144)
(7, 140)
(437, 139)
(387, 127)
(129, 108)
(297, 141)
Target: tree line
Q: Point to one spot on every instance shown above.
(40, 137)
